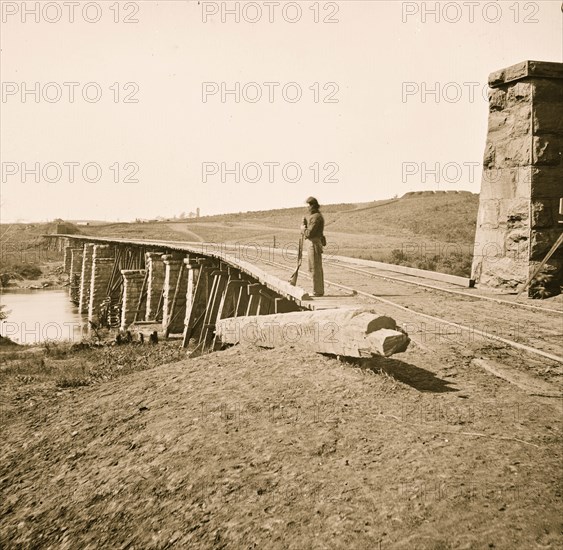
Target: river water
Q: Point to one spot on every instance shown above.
(36, 316)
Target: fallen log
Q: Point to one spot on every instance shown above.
(346, 332)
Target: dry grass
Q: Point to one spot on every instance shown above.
(434, 232)
(67, 365)
(411, 231)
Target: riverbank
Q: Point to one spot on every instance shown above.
(34, 276)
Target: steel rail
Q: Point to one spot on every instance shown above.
(452, 291)
(342, 263)
(506, 341)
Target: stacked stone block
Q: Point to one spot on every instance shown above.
(102, 267)
(172, 264)
(67, 259)
(86, 278)
(193, 271)
(62, 244)
(75, 273)
(522, 180)
(132, 286)
(155, 282)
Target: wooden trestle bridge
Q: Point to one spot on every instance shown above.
(188, 289)
(206, 294)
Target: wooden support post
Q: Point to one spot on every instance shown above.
(142, 297)
(75, 274)
(253, 298)
(194, 270)
(229, 301)
(266, 304)
(535, 273)
(158, 312)
(176, 311)
(199, 283)
(116, 272)
(346, 332)
(172, 264)
(229, 307)
(243, 299)
(218, 286)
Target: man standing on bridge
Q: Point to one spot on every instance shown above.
(313, 231)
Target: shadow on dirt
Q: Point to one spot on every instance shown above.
(416, 377)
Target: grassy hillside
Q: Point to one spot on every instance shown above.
(413, 230)
(426, 215)
(450, 218)
(22, 244)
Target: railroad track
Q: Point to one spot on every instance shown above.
(522, 327)
(386, 275)
(378, 274)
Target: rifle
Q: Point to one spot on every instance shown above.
(293, 278)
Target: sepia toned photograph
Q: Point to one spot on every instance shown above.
(281, 274)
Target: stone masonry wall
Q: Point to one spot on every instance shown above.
(102, 268)
(75, 274)
(67, 259)
(173, 263)
(132, 286)
(86, 278)
(155, 283)
(522, 175)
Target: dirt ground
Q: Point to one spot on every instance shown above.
(252, 448)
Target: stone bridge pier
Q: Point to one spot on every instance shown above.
(176, 292)
(209, 299)
(522, 181)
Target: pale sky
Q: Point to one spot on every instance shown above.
(375, 135)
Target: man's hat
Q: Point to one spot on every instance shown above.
(312, 201)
